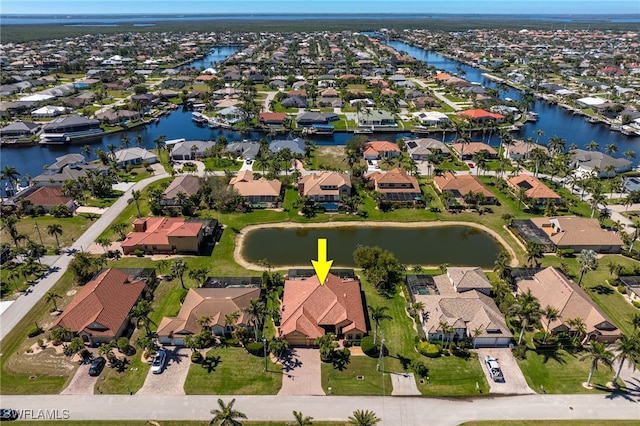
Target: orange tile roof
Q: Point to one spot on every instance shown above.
(102, 305)
(272, 116)
(535, 188)
(316, 184)
(472, 148)
(442, 76)
(48, 196)
(382, 146)
(307, 306)
(480, 113)
(463, 184)
(159, 229)
(247, 186)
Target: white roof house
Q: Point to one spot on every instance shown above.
(134, 155)
(590, 101)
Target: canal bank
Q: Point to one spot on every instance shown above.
(241, 241)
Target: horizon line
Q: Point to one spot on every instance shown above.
(323, 13)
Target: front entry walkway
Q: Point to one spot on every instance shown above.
(301, 373)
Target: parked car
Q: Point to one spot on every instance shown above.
(494, 369)
(249, 161)
(158, 362)
(96, 366)
(471, 165)
(8, 414)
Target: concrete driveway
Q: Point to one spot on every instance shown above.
(514, 381)
(171, 381)
(404, 384)
(301, 373)
(82, 383)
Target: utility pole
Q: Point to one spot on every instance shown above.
(38, 229)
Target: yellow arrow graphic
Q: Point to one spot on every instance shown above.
(322, 265)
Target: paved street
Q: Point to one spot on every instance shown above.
(18, 309)
(394, 411)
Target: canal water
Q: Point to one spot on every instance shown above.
(553, 121)
(457, 245)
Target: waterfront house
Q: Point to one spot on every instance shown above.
(117, 116)
(295, 145)
(294, 102)
(538, 194)
(167, 235)
(590, 162)
(578, 233)
(463, 186)
(309, 118)
(552, 288)
(99, 313)
(48, 111)
(376, 150)
(376, 117)
(422, 148)
(272, 118)
(134, 156)
(481, 116)
(521, 149)
(310, 310)
(395, 185)
(66, 128)
(68, 167)
(19, 130)
(326, 186)
(460, 298)
(48, 197)
(245, 149)
(190, 150)
(432, 118)
(216, 303)
(257, 192)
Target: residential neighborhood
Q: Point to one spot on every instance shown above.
(238, 214)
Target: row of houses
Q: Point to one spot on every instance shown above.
(459, 298)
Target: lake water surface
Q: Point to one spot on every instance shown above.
(419, 245)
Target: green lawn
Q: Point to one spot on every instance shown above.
(211, 164)
(129, 380)
(346, 382)
(237, 373)
(34, 228)
(561, 372)
(454, 376)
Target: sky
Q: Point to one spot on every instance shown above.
(318, 6)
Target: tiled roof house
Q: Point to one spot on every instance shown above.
(216, 303)
(326, 186)
(258, 192)
(552, 288)
(311, 310)
(164, 235)
(99, 312)
(535, 190)
(396, 185)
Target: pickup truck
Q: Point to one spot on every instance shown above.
(494, 369)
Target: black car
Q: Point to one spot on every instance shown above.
(96, 366)
(7, 414)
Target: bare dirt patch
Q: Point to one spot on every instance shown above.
(331, 156)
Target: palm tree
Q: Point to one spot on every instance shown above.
(551, 314)
(534, 252)
(477, 332)
(139, 140)
(86, 151)
(199, 275)
(635, 321)
(527, 309)
(160, 145)
(363, 418)
(592, 146)
(55, 229)
(588, 262)
(597, 353)
(225, 415)
(300, 419)
(178, 268)
(51, 296)
(611, 148)
(11, 175)
(378, 313)
(136, 196)
(230, 319)
(447, 330)
(140, 314)
(627, 349)
(256, 310)
(629, 154)
(578, 327)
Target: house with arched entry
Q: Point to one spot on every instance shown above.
(100, 311)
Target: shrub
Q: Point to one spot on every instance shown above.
(420, 368)
(35, 331)
(520, 351)
(40, 342)
(255, 348)
(123, 344)
(429, 349)
(565, 252)
(196, 357)
(60, 211)
(622, 289)
(636, 304)
(233, 342)
(138, 252)
(368, 347)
